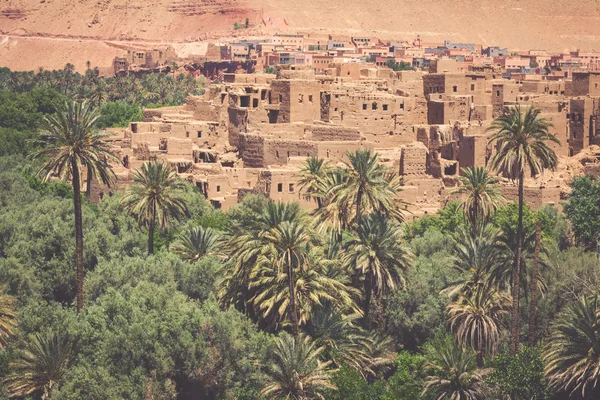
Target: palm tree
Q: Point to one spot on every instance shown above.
(453, 373)
(289, 246)
(481, 194)
(474, 257)
(572, 354)
(295, 371)
(375, 254)
(153, 197)
(345, 342)
(311, 180)
(8, 316)
(71, 142)
(41, 364)
(242, 250)
(475, 319)
(313, 286)
(534, 282)
(195, 243)
(521, 138)
(368, 187)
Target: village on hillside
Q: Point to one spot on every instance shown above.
(424, 108)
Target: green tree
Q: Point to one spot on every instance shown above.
(8, 317)
(521, 377)
(475, 318)
(376, 256)
(195, 243)
(295, 371)
(40, 365)
(452, 371)
(71, 142)
(118, 114)
(583, 209)
(481, 195)
(154, 197)
(312, 179)
(368, 187)
(571, 355)
(521, 137)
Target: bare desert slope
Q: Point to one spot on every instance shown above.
(93, 29)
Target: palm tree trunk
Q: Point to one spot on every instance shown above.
(293, 311)
(358, 203)
(368, 295)
(151, 231)
(88, 183)
(474, 216)
(534, 283)
(516, 287)
(78, 233)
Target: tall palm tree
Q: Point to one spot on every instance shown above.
(534, 282)
(474, 256)
(453, 372)
(572, 354)
(295, 371)
(195, 243)
(475, 319)
(376, 255)
(154, 197)
(8, 316)
(243, 249)
(289, 246)
(369, 186)
(311, 180)
(522, 144)
(313, 285)
(481, 194)
(41, 364)
(71, 142)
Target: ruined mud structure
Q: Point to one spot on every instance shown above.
(251, 132)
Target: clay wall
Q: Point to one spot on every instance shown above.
(535, 197)
(472, 151)
(337, 150)
(278, 151)
(413, 159)
(586, 84)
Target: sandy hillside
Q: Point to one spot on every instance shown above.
(518, 24)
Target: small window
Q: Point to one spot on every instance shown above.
(402, 106)
(281, 98)
(385, 107)
(187, 134)
(374, 106)
(455, 89)
(300, 98)
(472, 86)
(364, 106)
(291, 187)
(280, 187)
(199, 134)
(310, 98)
(218, 188)
(498, 93)
(277, 154)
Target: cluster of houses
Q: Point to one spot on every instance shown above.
(251, 132)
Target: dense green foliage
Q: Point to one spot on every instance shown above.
(268, 300)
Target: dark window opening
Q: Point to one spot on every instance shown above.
(364, 106)
(263, 94)
(291, 187)
(218, 188)
(310, 98)
(472, 86)
(199, 134)
(450, 170)
(498, 93)
(455, 89)
(402, 106)
(374, 106)
(244, 101)
(254, 103)
(385, 107)
(281, 98)
(280, 187)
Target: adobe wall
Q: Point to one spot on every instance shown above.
(251, 148)
(413, 159)
(336, 151)
(472, 151)
(277, 151)
(535, 197)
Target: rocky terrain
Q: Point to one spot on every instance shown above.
(50, 32)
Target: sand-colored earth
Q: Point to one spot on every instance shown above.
(518, 24)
